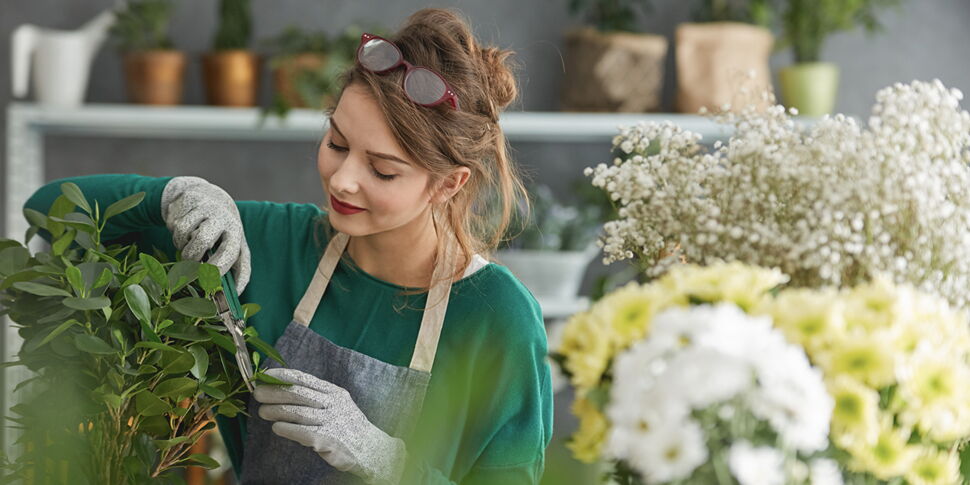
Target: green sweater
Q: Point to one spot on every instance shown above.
(487, 416)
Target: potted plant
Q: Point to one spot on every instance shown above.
(809, 85)
(609, 66)
(296, 54)
(154, 69)
(550, 250)
(130, 362)
(722, 56)
(231, 70)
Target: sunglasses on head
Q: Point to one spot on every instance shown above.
(421, 85)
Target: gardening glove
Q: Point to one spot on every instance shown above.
(199, 214)
(323, 416)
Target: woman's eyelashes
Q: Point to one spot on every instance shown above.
(338, 148)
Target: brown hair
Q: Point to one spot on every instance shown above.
(439, 138)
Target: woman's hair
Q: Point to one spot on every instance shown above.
(439, 138)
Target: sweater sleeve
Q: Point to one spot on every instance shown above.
(142, 225)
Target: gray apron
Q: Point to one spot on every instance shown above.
(390, 396)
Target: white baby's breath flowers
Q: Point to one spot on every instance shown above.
(830, 205)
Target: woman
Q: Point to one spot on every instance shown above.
(411, 358)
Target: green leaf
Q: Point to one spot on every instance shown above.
(155, 270)
(182, 273)
(13, 260)
(156, 346)
(78, 221)
(201, 361)
(103, 279)
(185, 331)
(266, 348)
(165, 324)
(75, 279)
(63, 242)
(228, 409)
(112, 400)
(61, 207)
(95, 303)
(146, 369)
(74, 194)
(137, 300)
(39, 289)
(222, 340)
(194, 307)
(178, 364)
(35, 218)
(123, 205)
(250, 309)
(212, 391)
(209, 278)
(148, 404)
(268, 379)
(255, 359)
(153, 426)
(205, 461)
(176, 388)
(25, 275)
(136, 278)
(166, 444)
(92, 344)
(57, 331)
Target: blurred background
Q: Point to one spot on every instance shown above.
(923, 39)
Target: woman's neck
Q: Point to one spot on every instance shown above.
(403, 256)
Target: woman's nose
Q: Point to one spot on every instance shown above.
(345, 178)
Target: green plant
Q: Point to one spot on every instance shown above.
(553, 226)
(235, 25)
(129, 361)
(758, 12)
(143, 25)
(806, 23)
(293, 40)
(609, 15)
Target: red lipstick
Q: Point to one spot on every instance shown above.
(344, 208)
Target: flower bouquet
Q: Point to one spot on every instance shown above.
(720, 375)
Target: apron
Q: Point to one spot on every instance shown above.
(390, 396)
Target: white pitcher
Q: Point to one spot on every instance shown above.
(61, 60)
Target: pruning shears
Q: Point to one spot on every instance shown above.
(230, 311)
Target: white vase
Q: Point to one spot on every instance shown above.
(555, 275)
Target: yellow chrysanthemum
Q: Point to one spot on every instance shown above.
(854, 417)
(887, 457)
(934, 467)
(864, 357)
(810, 318)
(629, 311)
(735, 282)
(586, 346)
(587, 442)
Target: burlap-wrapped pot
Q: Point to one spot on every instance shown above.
(616, 71)
(715, 62)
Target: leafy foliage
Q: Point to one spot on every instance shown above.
(129, 360)
(609, 15)
(806, 23)
(143, 25)
(235, 25)
(758, 12)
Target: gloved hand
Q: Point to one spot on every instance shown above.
(199, 213)
(323, 416)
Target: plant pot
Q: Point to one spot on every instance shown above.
(287, 71)
(231, 77)
(810, 87)
(548, 274)
(154, 76)
(714, 61)
(614, 72)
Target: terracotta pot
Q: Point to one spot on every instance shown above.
(154, 76)
(810, 87)
(231, 77)
(615, 72)
(714, 61)
(288, 69)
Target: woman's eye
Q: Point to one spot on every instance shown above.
(383, 176)
(338, 148)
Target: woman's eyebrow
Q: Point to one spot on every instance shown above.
(385, 156)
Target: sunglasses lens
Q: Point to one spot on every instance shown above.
(378, 55)
(424, 86)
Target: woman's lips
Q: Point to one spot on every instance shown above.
(342, 207)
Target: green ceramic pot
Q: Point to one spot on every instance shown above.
(810, 87)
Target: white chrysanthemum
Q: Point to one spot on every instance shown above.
(761, 465)
(825, 472)
(670, 452)
(830, 205)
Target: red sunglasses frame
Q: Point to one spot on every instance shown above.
(449, 94)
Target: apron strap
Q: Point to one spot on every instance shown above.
(431, 322)
(321, 278)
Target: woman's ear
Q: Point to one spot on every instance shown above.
(451, 184)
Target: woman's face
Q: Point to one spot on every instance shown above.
(362, 164)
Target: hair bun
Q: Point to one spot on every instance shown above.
(498, 75)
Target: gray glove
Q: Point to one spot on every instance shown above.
(323, 416)
(199, 213)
